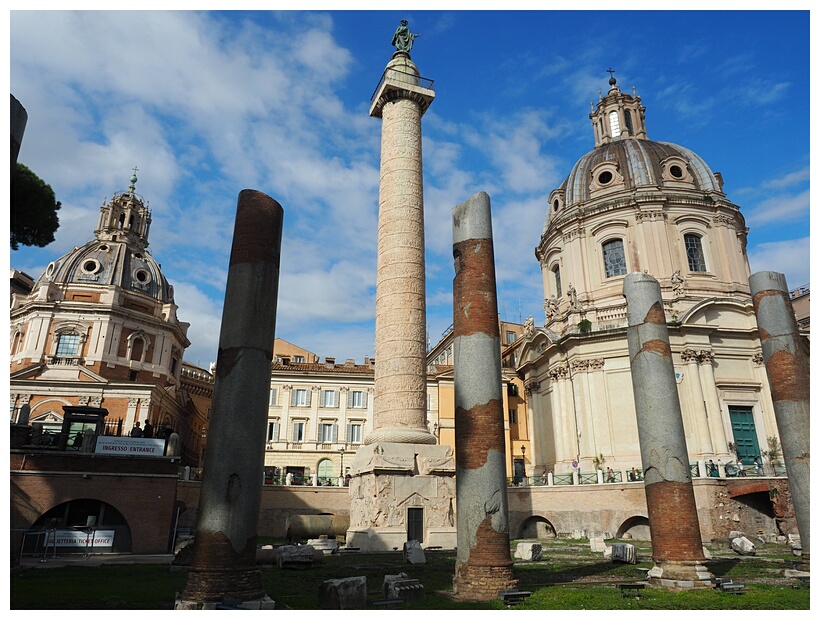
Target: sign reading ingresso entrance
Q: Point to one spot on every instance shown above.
(130, 446)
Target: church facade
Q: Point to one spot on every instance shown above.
(99, 328)
(637, 205)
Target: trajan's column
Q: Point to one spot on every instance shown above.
(403, 484)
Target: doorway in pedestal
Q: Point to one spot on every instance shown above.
(415, 524)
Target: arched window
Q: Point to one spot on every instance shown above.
(614, 124)
(694, 252)
(326, 470)
(628, 119)
(614, 258)
(17, 342)
(556, 274)
(137, 348)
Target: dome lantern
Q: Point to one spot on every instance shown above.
(618, 115)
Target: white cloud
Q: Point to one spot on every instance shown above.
(789, 257)
(779, 209)
(792, 178)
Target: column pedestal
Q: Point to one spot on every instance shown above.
(389, 479)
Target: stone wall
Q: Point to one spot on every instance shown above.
(723, 505)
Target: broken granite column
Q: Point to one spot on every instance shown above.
(223, 565)
(677, 547)
(787, 365)
(483, 562)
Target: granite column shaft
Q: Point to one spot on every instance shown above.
(677, 547)
(224, 557)
(787, 366)
(483, 563)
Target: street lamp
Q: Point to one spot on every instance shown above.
(342, 465)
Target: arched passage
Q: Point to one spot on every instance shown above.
(636, 528)
(537, 527)
(79, 525)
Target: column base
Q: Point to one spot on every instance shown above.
(680, 576)
(482, 583)
(402, 491)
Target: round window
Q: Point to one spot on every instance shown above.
(605, 177)
(104, 248)
(50, 269)
(676, 172)
(142, 276)
(90, 266)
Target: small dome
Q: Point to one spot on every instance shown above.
(640, 163)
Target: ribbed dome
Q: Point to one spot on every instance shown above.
(117, 256)
(111, 263)
(641, 164)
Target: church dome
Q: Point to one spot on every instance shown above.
(625, 163)
(117, 256)
(640, 163)
(111, 263)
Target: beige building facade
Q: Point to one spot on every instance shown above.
(632, 204)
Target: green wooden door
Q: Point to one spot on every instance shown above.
(743, 429)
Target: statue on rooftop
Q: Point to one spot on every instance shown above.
(403, 38)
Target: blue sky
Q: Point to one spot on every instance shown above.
(206, 104)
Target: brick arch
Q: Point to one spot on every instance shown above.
(536, 527)
(78, 509)
(636, 526)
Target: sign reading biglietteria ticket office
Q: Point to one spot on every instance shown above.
(80, 538)
(130, 446)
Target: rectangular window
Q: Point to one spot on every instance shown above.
(326, 433)
(513, 416)
(510, 337)
(274, 392)
(298, 432)
(330, 398)
(300, 398)
(354, 432)
(273, 431)
(357, 399)
(67, 345)
(298, 359)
